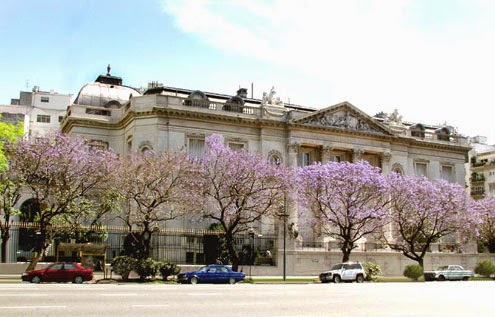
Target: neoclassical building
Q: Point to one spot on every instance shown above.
(125, 119)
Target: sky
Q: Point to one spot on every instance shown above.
(432, 60)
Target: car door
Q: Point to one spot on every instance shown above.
(55, 273)
(223, 274)
(71, 271)
(349, 272)
(211, 275)
(455, 272)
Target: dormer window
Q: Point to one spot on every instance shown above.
(444, 133)
(418, 130)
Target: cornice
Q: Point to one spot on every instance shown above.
(229, 118)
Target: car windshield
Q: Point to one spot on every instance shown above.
(337, 267)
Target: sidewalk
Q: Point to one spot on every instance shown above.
(16, 278)
(99, 276)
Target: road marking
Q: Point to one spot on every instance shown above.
(204, 294)
(119, 294)
(32, 307)
(23, 295)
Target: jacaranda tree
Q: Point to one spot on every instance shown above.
(424, 211)
(347, 200)
(155, 188)
(10, 186)
(240, 188)
(484, 211)
(60, 172)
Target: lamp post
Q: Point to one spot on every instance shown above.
(285, 236)
(251, 238)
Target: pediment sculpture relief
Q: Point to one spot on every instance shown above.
(341, 120)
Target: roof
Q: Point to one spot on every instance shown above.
(104, 90)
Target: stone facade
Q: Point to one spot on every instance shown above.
(173, 118)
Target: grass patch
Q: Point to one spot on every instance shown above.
(481, 278)
(386, 279)
(288, 280)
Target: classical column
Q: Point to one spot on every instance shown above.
(386, 156)
(291, 205)
(293, 150)
(326, 152)
(357, 155)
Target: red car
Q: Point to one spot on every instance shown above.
(59, 272)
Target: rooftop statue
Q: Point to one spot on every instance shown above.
(270, 100)
(394, 117)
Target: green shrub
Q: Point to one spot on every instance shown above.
(123, 265)
(166, 269)
(372, 270)
(147, 268)
(413, 272)
(485, 268)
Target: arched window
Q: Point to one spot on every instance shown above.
(275, 157)
(197, 99)
(27, 236)
(145, 147)
(397, 168)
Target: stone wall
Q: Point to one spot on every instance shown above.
(311, 263)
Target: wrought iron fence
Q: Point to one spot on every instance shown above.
(173, 245)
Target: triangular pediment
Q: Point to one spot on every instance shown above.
(343, 116)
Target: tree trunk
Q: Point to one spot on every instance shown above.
(420, 262)
(37, 256)
(413, 256)
(5, 239)
(40, 249)
(234, 258)
(346, 251)
(491, 245)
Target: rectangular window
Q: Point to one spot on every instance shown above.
(491, 188)
(99, 144)
(421, 169)
(448, 173)
(45, 99)
(196, 148)
(43, 118)
(60, 118)
(304, 159)
(335, 158)
(236, 146)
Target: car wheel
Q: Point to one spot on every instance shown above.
(337, 279)
(194, 280)
(231, 280)
(441, 278)
(359, 279)
(78, 280)
(36, 279)
(465, 278)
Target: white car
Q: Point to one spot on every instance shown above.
(448, 272)
(348, 272)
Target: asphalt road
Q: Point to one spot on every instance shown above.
(473, 298)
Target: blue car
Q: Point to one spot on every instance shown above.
(214, 273)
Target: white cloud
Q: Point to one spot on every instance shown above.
(379, 55)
